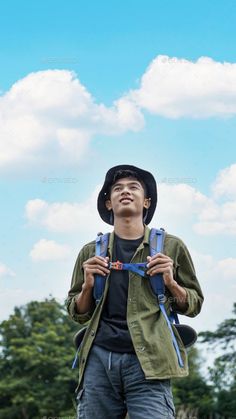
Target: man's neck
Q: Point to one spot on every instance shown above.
(129, 228)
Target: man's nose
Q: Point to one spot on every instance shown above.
(125, 190)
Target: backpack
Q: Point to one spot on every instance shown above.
(156, 242)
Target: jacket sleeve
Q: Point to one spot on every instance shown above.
(185, 276)
(76, 287)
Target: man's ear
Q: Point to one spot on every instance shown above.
(147, 203)
(108, 204)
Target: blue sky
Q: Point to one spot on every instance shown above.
(86, 86)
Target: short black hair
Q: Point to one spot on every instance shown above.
(120, 174)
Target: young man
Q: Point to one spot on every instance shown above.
(127, 356)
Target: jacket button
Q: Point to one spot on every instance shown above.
(92, 333)
(141, 349)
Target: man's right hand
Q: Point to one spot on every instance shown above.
(95, 265)
(91, 267)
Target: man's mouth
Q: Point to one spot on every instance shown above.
(126, 200)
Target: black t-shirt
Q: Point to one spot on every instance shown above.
(113, 333)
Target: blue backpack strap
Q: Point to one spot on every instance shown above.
(156, 244)
(74, 363)
(174, 317)
(100, 281)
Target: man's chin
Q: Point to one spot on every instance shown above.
(126, 213)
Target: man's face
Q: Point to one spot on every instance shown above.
(127, 198)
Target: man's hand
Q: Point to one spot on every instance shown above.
(95, 265)
(160, 263)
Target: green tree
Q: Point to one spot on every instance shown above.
(192, 394)
(36, 354)
(223, 372)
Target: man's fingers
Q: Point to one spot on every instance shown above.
(93, 268)
(159, 261)
(96, 260)
(160, 268)
(94, 265)
(158, 255)
(97, 271)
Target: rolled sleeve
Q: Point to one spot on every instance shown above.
(194, 303)
(76, 286)
(79, 318)
(186, 277)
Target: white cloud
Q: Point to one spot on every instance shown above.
(181, 199)
(213, 269)
(179, 207)
(217, 279)
(49, 250)
(220, 219)
(227, 268)
(175, 88)
(10, 298)
(49, 116)
(182, 204)
(65, 216)
(225, 184)
(5, 271)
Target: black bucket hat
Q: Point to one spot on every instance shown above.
(147, 178)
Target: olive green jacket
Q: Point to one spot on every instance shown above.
(148, 329)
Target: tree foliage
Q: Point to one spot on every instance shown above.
(36, 379)
(193, 394)
(223, 372)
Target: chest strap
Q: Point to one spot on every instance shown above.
(138, 268)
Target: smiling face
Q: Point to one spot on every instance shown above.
(127, 198)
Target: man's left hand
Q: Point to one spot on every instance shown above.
(161, 263)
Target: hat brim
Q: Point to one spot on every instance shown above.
(103, 195)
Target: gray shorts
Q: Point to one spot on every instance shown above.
(114, 384)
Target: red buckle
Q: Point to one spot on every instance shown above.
(117, 265)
